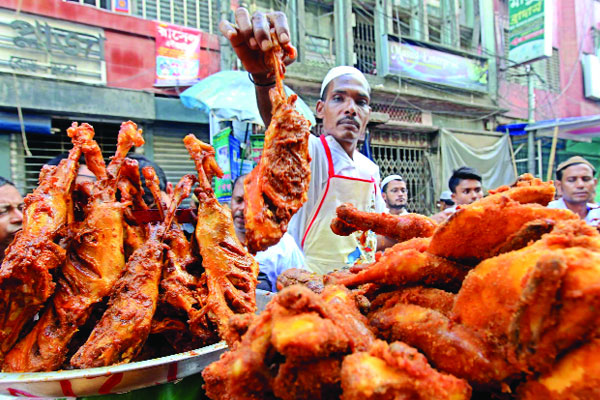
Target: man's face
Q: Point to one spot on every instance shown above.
(345, 111)
(467, 191)
(238, 206)
(11, 213)
(577, 183)
(395, 194)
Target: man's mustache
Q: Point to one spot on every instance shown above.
(13, 228)
(351, 120)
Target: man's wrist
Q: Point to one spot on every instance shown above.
(261, 80)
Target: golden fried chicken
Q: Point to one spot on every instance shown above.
(25, 275)
(297, 276)
(575, 376)
(397, 227)
(397, 371)
(406, 266)
(231, 273)
(543, 298)
(450, 347)
(435, 299)
(298, 329)
(123, 329)
(476, 231)
(528, 189)
(94, 263)
(278, 186)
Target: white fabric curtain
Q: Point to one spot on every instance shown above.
(493, 161)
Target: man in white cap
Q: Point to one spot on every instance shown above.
(395, 194)
(339, 173)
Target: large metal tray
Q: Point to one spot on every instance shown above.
(118, 378)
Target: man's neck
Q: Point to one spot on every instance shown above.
(348, 147)
(578, 208)
(396, 210)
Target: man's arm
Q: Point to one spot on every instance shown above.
(250, 38)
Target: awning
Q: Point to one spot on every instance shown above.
(581, 129)
(9, 123)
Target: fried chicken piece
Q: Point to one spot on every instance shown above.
(435, 299)
(314, 380)
(543, 297)
(451, 348)
(297, 276)
(278, 186)
(298, 327)
(125, 325)
(477, 230)
(397, 371)
(397, 227)
(94, 263)
(528, 189)
(575, 376)
(231, 273)
(399, 266)
(25, 278)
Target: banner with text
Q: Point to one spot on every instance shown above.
(529, 30)
(437, 67)
(177, 55)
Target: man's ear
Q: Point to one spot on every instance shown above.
(319, 108)
(384, 196)
(558, 187)
(453, 196)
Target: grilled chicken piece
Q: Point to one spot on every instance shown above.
(124, 327)
(94, 263)
(25, 277)
(278, 186)
(231, 273)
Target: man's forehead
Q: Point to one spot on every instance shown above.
(10, 193)
(578, 170)
(346, 83)
(469, 183)
(396, 183)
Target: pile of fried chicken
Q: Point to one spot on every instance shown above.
(89, 290)
(501, 301)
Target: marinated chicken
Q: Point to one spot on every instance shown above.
(125, 325)
(231, 273)
(278, 186)
(26, 272)
(95, 260)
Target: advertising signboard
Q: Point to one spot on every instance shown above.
(438, 67)
(177, 55)
(529, 30)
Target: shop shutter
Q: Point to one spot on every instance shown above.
(199, 14)
(26, 169)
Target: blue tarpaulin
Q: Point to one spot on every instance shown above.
(9, 123)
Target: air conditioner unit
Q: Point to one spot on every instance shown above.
(591, 76)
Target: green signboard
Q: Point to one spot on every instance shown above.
(530, 30)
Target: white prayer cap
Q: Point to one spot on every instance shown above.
(344, 70)
(389, 179)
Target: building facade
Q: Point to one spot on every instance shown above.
(65, 61)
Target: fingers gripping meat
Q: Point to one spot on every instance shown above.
(278, 186)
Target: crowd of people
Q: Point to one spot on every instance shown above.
(339, 172)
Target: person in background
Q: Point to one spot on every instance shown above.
(339, 172)
(445, 200)
(274, 260)
(465, 185)
(575, 181)
(11, 213)
(395, 194)
(84, 173)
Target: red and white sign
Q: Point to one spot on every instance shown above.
(177, 55)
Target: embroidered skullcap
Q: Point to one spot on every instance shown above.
(389, 179)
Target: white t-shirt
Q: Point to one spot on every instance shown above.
(279, 257)
(592, 217)
(358, 166)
